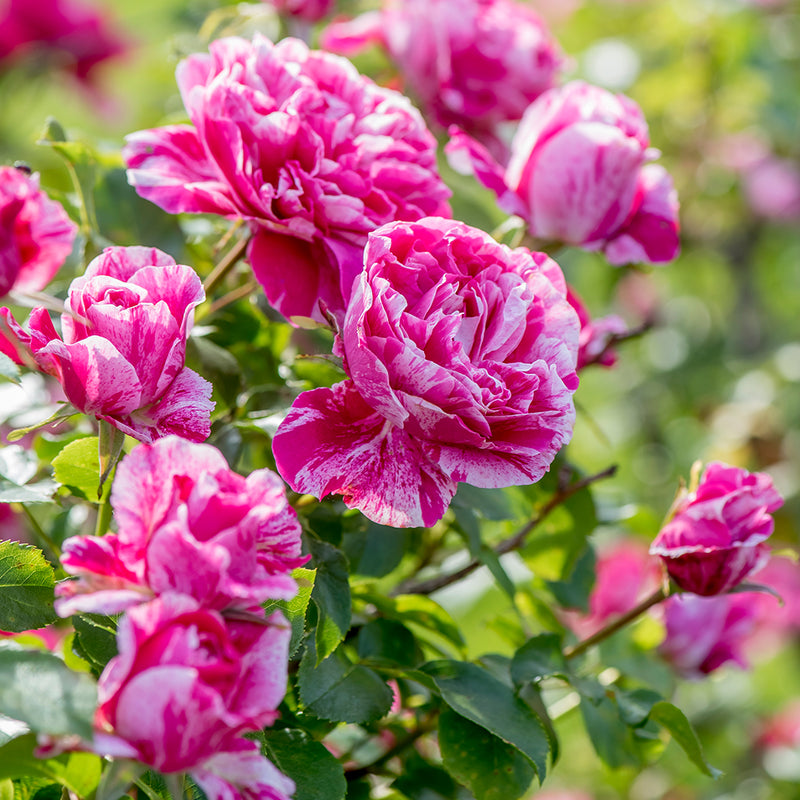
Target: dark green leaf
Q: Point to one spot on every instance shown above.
(375, 550)
(331, 595)
(574, 591)
(611, 737)
(95, 639)
(493, 504)
(540, 657)
(481, 698)
(217, 365)
(489, 767)
(635, 706)
(26, 588)
(38, 689)
(675, 721)
(390, 641)
(316, 773)
(424, 781)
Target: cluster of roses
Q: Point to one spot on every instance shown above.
(197, 552)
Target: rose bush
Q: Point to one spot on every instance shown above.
(309, 152)
(461, 355)
(579, 174)
(716, 535)
(187, 524)
(125, 325)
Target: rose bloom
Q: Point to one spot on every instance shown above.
(703, 633)
(72, 35)
(579, 174)
(36, 235)
(186, 684)
(122, 355)
(187, 524)
(597, 335)
(715, 537)
(473, 63)
(461, 356)
(311, 153)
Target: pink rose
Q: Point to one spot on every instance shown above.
(715, 537)
(311, 153)
(121, 360)
(578, 174)
(772, 189)
(472, 63)
(703, 633)
(461, 355)
(36, 234)
(597, 335)
(307, 10)
(74, 35)
(625, 575)
(185, 685)
(188, 524)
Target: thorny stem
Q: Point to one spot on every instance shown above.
(563, 493)
(226, 264)
(620, 622)
(40, 533)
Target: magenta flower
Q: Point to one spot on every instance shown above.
(203, 681)
(311, 153)
(715, 538)
(75, 36)
(187, 524)
(579, 174)
(473, 63)
(307, 10)
(36, 234)
(703, 633)
(121, 360)
(597, 335)
(461, 356)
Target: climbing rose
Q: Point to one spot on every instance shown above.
(121, 360)
(461, 356)
(473, 63)
(579, 174)
(715, 538)
(186, 684)
(311, 153)
(36, 234)
(187, 524)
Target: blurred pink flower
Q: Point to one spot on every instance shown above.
(772, 188)
(625, 575)
(36, 235)
(716, 536)
(461, 355)
(71, 35)
(597, 335)
(311, 153)
(125, 326)
(578, 174)
(703, 633)
(308, 10)
(188, 524)
(473, 63)
(782, 729)
(203, 681)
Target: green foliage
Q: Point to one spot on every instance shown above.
(295, 609)
(331, 596)
(540, 657)
(675, 721)
(95, 640)
(39, 690)
(77, 467)
(26, 588)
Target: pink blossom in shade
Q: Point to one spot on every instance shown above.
(579, 174)
(782, 729)
(778, 620)
(187, 524)
(597, 335)
(461, 355)
(36, 235)
(204, 680)
(716, 535)
(473, 63)
(625, 575)
(121, 359)
(72, 35)
(307, 10)
(311, 153)
(703, 633)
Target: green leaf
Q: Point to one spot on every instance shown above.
(79, 772)
(574, 590)
(26, 588)
(610, 736)
(109, 450)
(540, 657)
(8, 369)
(375, 550)
(634, 707)
(295, 609)
(424, 781)
(675, 721)
(390, 641)
(331, 595)
(315, 772)
(484, 763)
(77, 467)
(95, 639)
(493, 504)
(335, 690)
(6, 789)
(38, 689)
(217, 365)
(481, 698)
